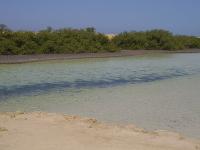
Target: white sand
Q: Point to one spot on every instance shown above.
(45, 131)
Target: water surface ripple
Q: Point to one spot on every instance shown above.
(38, 88)
(40, 78)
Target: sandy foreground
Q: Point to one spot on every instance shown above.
(49, 131)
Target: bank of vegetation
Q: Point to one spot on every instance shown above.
(87, 40)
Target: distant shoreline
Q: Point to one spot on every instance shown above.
(17, 59)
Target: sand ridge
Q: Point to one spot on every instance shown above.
(51, 131)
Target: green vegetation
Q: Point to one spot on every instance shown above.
(155, 40)
(68, 40)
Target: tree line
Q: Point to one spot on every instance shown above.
(156, 40)
(67, 40)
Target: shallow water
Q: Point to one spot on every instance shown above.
(153, 92)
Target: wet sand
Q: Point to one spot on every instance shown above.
(49, 131)
(12, 59)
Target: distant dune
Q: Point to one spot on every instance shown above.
(111, 36)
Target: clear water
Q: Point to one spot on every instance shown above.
(153, 92)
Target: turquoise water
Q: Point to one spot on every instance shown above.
(153, 92)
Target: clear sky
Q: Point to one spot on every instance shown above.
(108, 16)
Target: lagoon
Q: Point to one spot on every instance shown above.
(152, 91)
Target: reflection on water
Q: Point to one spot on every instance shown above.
(155, 92)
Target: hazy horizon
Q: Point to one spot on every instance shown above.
(177, 16)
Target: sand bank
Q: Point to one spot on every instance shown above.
(10, 59)
(48, 131)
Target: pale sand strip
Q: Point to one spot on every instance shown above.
(48, 131)
(13, 59)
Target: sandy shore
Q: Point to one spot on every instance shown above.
(12, 59)
(48, 131)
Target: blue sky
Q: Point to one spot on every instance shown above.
(108, 16)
